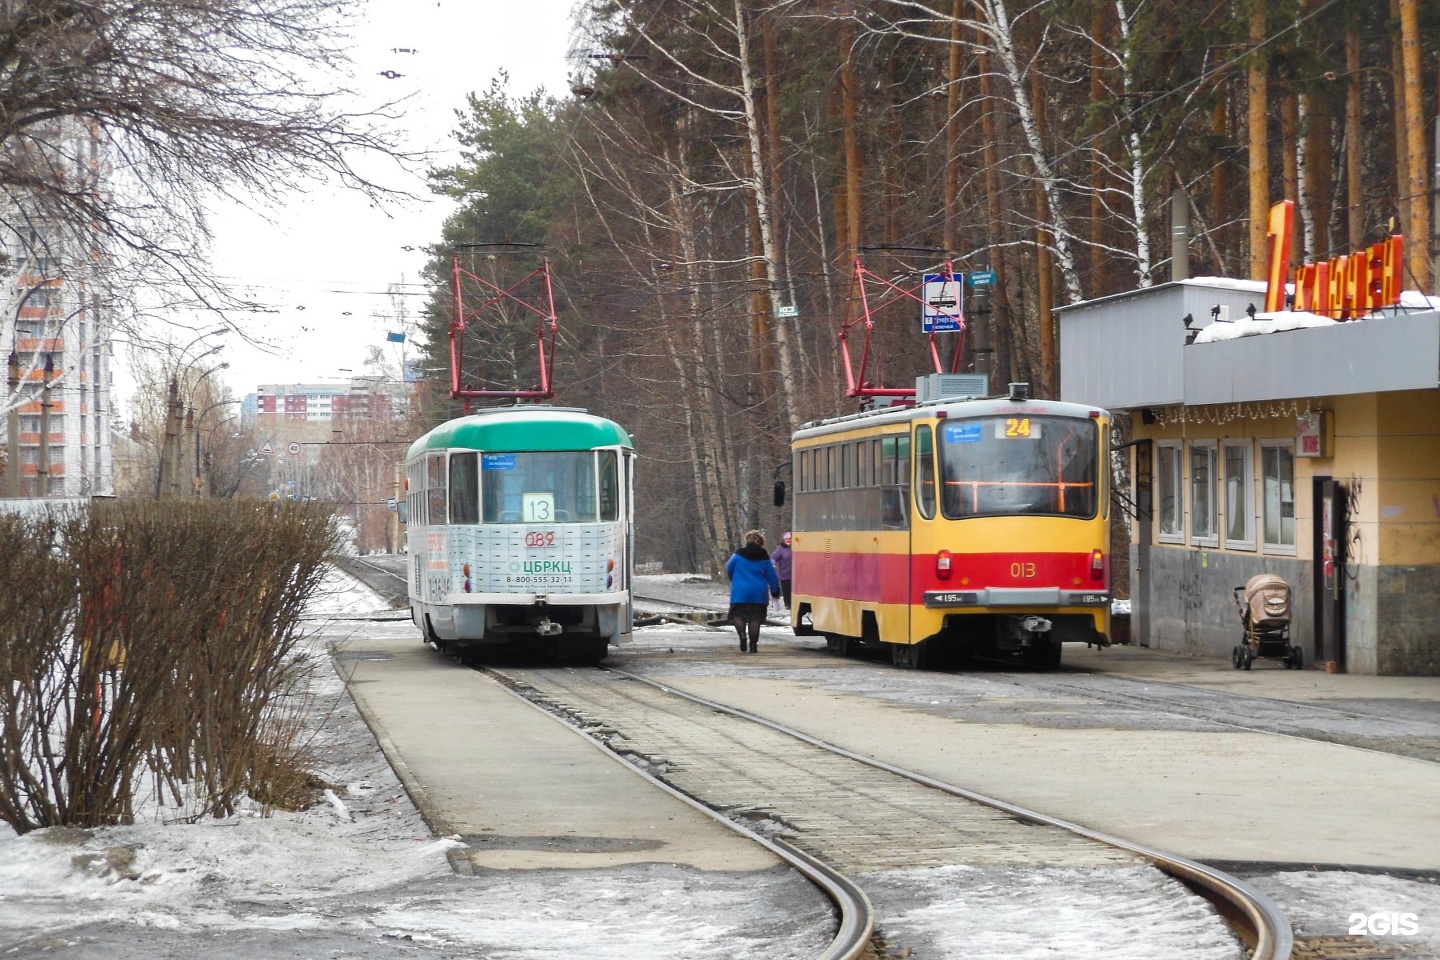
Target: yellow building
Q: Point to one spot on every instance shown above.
(1289, 445)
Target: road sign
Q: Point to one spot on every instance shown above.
(267, 449)
(982, 278)
(787, 310)
(391, 504)
(944, 308)
(293, 448)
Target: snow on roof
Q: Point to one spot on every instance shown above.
(1225, 283)
(1410, 300)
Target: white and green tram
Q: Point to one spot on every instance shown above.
(521, 533)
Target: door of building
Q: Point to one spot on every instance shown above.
(1329, 573)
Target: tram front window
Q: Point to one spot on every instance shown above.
(996, 466)
(548, 487)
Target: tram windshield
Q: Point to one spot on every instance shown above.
(549, 487)
(996, 466)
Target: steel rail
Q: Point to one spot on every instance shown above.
(857, 916)
(1267, 923)
(372, 565)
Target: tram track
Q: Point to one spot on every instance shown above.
(860, 816)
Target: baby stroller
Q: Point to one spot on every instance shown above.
(1264, 604)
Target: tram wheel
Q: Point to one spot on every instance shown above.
(592, 651)
(1043, 656)
(1052, 655)
(909, 655)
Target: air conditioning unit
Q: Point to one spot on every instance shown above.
(951, 386)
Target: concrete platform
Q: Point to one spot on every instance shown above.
(523, 790)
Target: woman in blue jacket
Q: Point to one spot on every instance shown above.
(752, 583)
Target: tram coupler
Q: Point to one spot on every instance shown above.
(548, 628)
(1034, 625)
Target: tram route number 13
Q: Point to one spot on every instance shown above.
(538, 507)
(1022, 571)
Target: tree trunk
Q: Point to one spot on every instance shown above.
(850, 112)
(1001, 326)
(1044, 267)
(1220, 182)
(1402, 140)
(950, 239)
(1099, 257)
(1354, 184)
(773, 337)
(1257, 87)
(1002, 37)
(1418, 240)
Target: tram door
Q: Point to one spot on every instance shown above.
(1329, 567)
(627, 564)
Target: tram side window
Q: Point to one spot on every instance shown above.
(464, 489)
(924, 471)
(435, 489)
(609, 486)
(416, 493)
(894, 479)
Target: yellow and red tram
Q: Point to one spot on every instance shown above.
(952, 527)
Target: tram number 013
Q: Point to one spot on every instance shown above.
(539, 538)
(1022, 571)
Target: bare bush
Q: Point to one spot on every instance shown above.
(157, 645)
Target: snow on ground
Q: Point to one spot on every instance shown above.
(359, 875)
(1132, 913)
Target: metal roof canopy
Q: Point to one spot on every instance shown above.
(1128, 351)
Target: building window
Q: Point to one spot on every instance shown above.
(1277, 466)
(1239, 497)
(1169, 492)
(1202, 495)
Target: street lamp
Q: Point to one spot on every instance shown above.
(199, 478)
(171, 455)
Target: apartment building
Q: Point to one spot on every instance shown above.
(57, 336)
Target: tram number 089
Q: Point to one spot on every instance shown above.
(537, 538)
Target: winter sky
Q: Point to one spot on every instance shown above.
(326, 261)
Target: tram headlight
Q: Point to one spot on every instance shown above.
(1097, 565)
(942, 565)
